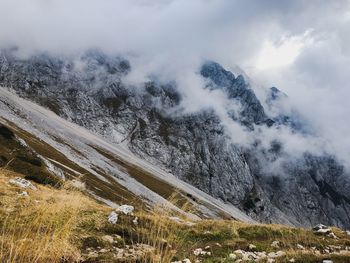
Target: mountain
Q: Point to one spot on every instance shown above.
(137, 126)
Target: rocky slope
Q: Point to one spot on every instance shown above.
(195, 147)
(62, 224)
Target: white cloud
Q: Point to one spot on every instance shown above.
(283, 53)
(271, 40)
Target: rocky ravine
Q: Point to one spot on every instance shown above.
(194, 147)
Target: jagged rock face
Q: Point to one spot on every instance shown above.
(90, 92)
(235, 88)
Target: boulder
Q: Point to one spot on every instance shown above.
(125, 209)
(319, 226)
(113, 217)
(21, 182)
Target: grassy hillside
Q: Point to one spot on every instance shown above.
(64, 224)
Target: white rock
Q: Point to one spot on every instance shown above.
(347, 232)
(201, 252)
(135, 221)
(332, 235)
(292, 260)
(319, 226)
(276, 254)
(300, 247)
(24, 193)
(22, 183)
(113, 217)
(186, 260)
(281, 253)
(126, 209)
(108, 239)
(324, 231)
(232, 256)
(275, 244)
(270, 260)
(252, 247)
(197, 251)
(239, 252)
(327, 261)
(261, 254)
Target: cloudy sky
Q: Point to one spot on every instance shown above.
(302, 47)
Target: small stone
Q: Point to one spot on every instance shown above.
(275, 244)
(113, 217)
(239, 253)
(292, 260)
(197, 251)
(21, 182)
(135, 221)
(319, 226)
(24, 193)
(300, 247)
(347, 232)
(207, 247)
(126, 209)
(103, 250)
(252, 247)
(281, 253)
(108, 239)
(324, 231)
(186, 260)
(270, 260)
(201, 252)
(261, 254)
(232, 256)
(327, 261)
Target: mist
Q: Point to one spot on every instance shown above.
(301, 47)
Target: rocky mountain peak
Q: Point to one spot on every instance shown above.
(194, 147)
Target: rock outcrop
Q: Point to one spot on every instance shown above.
(195, 147)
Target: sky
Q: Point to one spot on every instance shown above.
(301, 47)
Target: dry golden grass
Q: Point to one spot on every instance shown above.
(38, 228)
(65, 225)
(50, 225)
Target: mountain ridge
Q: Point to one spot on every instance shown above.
(194, 147)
